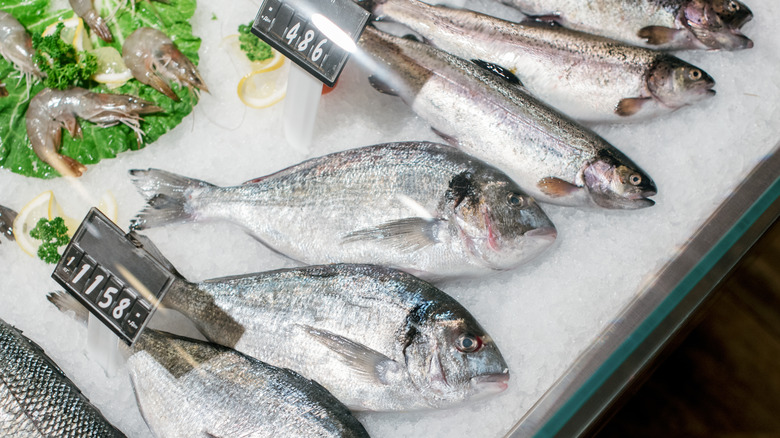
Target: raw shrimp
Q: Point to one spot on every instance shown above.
(153, 59)
(84, 9)
(50, 110)
(16, 45)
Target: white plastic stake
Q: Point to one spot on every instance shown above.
(102, 345)
(300, 107)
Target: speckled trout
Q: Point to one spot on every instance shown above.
(587, 77)
(661, 24)
(188, 388)
(552, 157)
(425, 208)
(37, 400)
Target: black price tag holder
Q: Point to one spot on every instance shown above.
(318, 35)
(113, 276)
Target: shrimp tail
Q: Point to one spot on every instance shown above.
(98, 25)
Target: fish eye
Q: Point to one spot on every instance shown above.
(694, 74)
(733, 6)
(468, 343)
(635, 179)
(515, 200)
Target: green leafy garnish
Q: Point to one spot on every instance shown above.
(254, 48)
(64, 67)
(97, 143)
(54, 234)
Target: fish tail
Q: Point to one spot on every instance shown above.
(169, 197)
(65, 302)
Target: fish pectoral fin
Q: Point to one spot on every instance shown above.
(549, 19)
(556, 187)
(630, 106)
(448, 138)
(366, 362)
(499, 71)
(381, 86)
(409, 234)
(657, 35)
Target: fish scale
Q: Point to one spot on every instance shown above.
(550, 156)
(192, 388)
(37, 400)
(661, 24)
(383, 204)
(368, 334)
(584, 76)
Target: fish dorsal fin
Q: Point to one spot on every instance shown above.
(364, 361)
(408, 234)
(381, 86)
(499, 71)
(657, 35)
(630, 106)
(556, 187)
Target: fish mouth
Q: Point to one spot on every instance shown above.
(489, 384)
(642, 200)
(546, 233)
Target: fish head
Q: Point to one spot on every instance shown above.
(614, 181)
(675, 83)
(501, 225)
(450, 357)
(733, 13)
(715, 23)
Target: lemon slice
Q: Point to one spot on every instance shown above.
(111, 70)
(73, 33)
(265, 87)
(42, 206)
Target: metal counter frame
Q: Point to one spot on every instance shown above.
(641, 331)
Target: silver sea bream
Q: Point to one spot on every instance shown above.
(37, 400)
(660, 24)
(587, 77)
(188, 388)
(550, 156)
(377, 338)
(425, 208)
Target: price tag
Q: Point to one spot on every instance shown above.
(318, 35)
(112, 275)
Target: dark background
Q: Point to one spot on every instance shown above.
(722, 378)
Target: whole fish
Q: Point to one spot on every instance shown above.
(425, 208)
(188, 388)
(660, 24)
(587, 77)
(37, 399)
(377, 338)
(552, 157)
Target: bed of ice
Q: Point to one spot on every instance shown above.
(542, 315)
